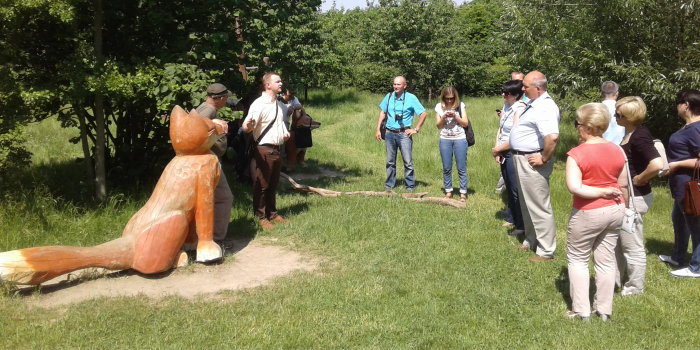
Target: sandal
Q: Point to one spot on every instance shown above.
(448, 195)
(463, 197)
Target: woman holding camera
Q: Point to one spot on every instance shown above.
(513, 106)
(598, 208)
(644, 164)
(451, 119)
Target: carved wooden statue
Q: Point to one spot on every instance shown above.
(180, 210)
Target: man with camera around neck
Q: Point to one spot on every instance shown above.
(399, 108)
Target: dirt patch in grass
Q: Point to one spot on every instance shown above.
(253, 264)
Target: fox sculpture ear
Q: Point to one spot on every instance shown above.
(189, 133)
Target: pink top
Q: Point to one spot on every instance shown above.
(600, 164)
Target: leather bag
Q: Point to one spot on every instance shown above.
(691, 201)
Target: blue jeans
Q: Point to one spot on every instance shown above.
(458, 150)
(404, 144)
(684, 228)
(511, 182)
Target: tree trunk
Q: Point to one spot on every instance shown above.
(89, 170)
(100, 173)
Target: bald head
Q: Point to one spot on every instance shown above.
(534, 84)
(399, 85)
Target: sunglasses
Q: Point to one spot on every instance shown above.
(618, 115)
(576, 123)
(449, 98)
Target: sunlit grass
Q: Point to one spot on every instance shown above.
(397, 274)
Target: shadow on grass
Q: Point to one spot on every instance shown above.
(655, 246)
(330, 98)
(561, 283)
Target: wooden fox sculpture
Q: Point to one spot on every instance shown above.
(180, 210)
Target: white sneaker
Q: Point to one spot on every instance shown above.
(668, 259)
(685, 272)
(626, 291)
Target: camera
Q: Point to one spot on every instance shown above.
(398, 116)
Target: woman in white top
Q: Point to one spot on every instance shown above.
(451, 119)
(513, 106)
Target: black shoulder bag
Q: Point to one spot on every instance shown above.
(468, 130)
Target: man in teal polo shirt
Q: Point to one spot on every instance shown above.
(399, 107)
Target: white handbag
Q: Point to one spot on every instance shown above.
(632, 217)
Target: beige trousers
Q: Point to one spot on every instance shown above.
(223, 202)
(630, 254)
(596, 231)
(533, 184)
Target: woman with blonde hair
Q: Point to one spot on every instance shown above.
(451, 119)
(596, 184)
(644, 164)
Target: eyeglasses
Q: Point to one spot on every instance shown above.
(576, 124)
(449, 98)
(618, 115)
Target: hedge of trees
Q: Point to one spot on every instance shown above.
(114, 68)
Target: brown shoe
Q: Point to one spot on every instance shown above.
(266, 224)
(523, 247)
(539, 258)
(448, 195)
(280, 220)
(463, 197)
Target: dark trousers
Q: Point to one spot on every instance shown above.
(265, 171)
(511, 182)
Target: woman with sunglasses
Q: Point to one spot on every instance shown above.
(513, 106)
(451, 119)
(596, 184)
(683, 154)
(644, 164)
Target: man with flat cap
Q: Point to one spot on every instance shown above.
(217, 95)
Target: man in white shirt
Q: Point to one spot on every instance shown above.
(266, 121)
(533, 140)
(610, 91)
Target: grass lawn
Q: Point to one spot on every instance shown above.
(396, 274)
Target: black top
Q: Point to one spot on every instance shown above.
(640, 151)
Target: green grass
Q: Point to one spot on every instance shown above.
(396, 274)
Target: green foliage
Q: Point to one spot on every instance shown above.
(649, 47)
(156, 54)
(433, 43)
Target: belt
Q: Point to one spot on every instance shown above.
(269, 146)
(396, 131)
(525, 153)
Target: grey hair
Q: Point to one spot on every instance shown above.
(540, 82)
(609, 88)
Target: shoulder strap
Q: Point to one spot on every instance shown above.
(630, 185)
(269, 126)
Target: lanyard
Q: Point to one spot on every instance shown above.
(403, 104)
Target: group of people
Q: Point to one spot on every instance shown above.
(614, 147)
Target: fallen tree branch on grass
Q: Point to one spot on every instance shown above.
(418, 197)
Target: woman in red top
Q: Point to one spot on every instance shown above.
(595, 181)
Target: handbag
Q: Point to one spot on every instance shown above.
(691, 200)
(468, 130)
(631, 217)
(302, 135)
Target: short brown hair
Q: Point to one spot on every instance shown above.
(267, 77)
